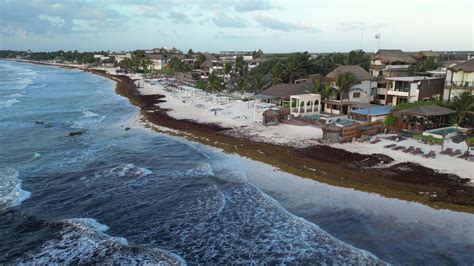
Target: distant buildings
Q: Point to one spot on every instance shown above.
(459, 79)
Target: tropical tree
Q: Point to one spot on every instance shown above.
(323, 89)
(276, 74)
(318, 87)
(214, 83)
(257, 83)
(239, 65)
(242, 84)
(344, 82)
(358, 57)
(463, 104)
(201, 84)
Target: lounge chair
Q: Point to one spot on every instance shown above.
(431, 154)
(456, 153)
(409, 149)
(398, 148)
(417, 151)
(465, 155)
(448, 151)
(377, 140)
(389, 146)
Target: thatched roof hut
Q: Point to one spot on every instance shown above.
(332, 133)
(426, 54)
(271, 117)
(393, 57)
(285, 90)
(467, 66)
(360, 73)
(427, 111)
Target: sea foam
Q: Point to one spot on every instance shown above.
(84, 241)
(11, 193)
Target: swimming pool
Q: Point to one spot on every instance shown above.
(344, 122)
(438, 133)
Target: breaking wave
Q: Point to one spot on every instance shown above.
(11, 193)
(8, 103)
(84, 241)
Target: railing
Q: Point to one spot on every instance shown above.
(459, 84)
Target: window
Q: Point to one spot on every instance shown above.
(381, 96)
(356, 95)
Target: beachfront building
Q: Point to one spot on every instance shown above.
(281, 93)
(402, 90)
(305, 104)
(459, 79)
(340, 103)
(386, 64)
(421, 118)
(121, 56)
(426, 55)
(371, 113)
(159, 61)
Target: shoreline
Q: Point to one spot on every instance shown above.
(333, 166)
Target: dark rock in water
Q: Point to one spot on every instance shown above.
(127, 128)
(48, 125)
(76, 133)
(39, 122)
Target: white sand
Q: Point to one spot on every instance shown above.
(238, 115)
(442, 163)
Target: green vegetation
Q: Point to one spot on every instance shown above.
(464, 106)
(390, 120)
(470, 141)
(428, 139)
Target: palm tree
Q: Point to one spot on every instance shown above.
(464, 105)
(214, 83)
(277, 74)
(323, 89)
(257, 83)
(344, 82)
(358, 57)
(241, 84)
(294, 67)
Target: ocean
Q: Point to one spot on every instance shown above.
(114, 194)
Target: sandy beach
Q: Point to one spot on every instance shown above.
(295, 150)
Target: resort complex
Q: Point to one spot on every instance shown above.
(421, 101)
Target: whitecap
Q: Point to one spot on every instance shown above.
(122, 170)
(84, 241)
(36, 155)
(202, 169)
(8, 103)
(11, 193)
(88, 113)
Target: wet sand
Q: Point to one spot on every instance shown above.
(370, 173)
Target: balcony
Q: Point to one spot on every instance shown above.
(397, 93)
(459, 84)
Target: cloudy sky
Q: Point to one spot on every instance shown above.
(212, 25)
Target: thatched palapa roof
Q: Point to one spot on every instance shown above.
(467, 66)
(285, 90)
(360, 73)
(427, 110)
(390, 57)
(423, 54)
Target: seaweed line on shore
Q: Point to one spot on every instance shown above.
(374, 173)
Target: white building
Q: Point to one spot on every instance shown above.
(402, 90)
(357, 94)
(121, 56)
(459, 79)
(386, 64)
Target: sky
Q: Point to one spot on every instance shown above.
(213, 25)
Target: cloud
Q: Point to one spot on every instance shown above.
(277, 24)
(348, 26)
(226, 21)
(253, 5)
(42, 17)
(179, 17)
(222, 35)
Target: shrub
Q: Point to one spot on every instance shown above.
(428, 138)
(390, 120)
